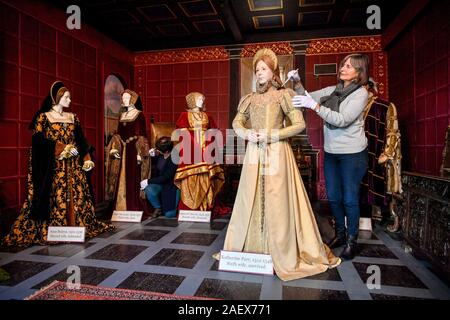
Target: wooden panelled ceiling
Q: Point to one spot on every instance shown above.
(156, 24)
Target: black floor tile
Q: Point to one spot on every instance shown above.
(163, 222)
(375, 251)
(230, 290)
(63, 250)
(117, 252)
(398, 276)
(11, 249)
(297, 293)
(200, 239)
(22, 270)
(214, 225)
(89, 275)
(176, 258)
(152, 282)
(108, 234)
(146, 235)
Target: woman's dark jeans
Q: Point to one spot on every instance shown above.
(343, 176)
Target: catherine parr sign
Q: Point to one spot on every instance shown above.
(246, 262)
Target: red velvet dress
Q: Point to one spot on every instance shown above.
(198, 177)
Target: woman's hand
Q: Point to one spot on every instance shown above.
(144, 184)
(304, 102)
(293, 75)
(88, 165)
(139, 159)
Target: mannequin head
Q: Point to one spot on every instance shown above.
(265, 66)
(65, 100)
(199, 101)
(263, 73)
(131, 98)
(126, 98)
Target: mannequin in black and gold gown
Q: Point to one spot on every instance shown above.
(58, 192)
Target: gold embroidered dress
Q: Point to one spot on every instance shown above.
(70, 198)
(272, 213)
(199, 178)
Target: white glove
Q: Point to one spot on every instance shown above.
(293, 75)
(144, 184)
(304, 102)
(262, 137)
(252, 136)
(139, 159)
(88, 165)
(152, 152)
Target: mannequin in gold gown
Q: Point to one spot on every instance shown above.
(272, 213)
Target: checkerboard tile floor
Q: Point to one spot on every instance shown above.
(164, 255)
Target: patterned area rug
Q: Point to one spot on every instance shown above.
(58, 290)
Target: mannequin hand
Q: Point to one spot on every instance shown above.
(293, 75)
(262, 137)
(144, 184)
(88, 165)
(152, 152)
(382, 159)
(304, 102)
(73, 151)
(252, 136)
(68, 152)
(139, 159)
(115, 153)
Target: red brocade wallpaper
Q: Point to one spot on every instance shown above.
(165, 78)
(419, 85)
(36, 48)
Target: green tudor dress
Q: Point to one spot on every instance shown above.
(70, 201)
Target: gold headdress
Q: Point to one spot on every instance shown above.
(268, 53)
(190, 99)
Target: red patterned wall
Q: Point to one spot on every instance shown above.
(35, 50)
(164, 79)
(333, 51)
(419, 85)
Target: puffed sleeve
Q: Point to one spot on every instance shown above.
(242, 116)
(183, 121)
